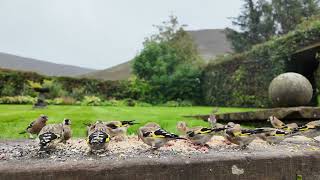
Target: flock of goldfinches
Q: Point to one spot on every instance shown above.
(100, 133)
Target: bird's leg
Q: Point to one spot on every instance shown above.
(31, 136)
(243, 147)
(207, 146)
(154, 150)
(227, 142)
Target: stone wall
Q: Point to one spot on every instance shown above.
(255, 166)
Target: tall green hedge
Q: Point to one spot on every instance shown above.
(15, 83)
(243, 79)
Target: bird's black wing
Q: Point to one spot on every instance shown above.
(45, 139)
(31, 124)
(165, 134)
(131, 122)
(98, 137)
(112, 126)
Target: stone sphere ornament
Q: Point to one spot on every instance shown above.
(290, 90)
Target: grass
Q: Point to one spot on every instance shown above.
(15, 118)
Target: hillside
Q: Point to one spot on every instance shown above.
(211, 43)
(118, 72)
(9, 61)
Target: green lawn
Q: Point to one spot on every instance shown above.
(15, 118)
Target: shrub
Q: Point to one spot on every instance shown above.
(171, 104)
(185, 103)
(17, 100)
(8, 90)
(130, 102)
(91, 101)
(143, 104)
(63, 101)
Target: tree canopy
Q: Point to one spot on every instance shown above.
(262, 19)
(170, 63)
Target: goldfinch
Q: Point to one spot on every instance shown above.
(198, 135)
(98, 138)
(310, 130)
(213, 122)
(36, 126)
(52, 134)
(154, 136)
(276, 123)
(272, 135)
(241, 137)
(67, 131)
(119, 129)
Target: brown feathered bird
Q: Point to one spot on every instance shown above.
(272, 135)
(310, 130)
(198, 135)
(52, 134)
(36, 126)
(239, 136)
(118, 129)
(152, 135)
(98, 138)
(276, 123)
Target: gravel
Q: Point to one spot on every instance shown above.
(77, 149)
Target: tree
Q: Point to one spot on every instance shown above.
(168, 61)
(289, 13)
(262, 19)
(256, 25)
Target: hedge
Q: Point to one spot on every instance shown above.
(15, 83)
(243, 79)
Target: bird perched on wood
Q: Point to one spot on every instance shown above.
(98, 138)
(36, 126)
(118, 129)
(272, 135)
(154, 136)
(239, 136)
(52, 134)
(198, 135)
(310, 130)
(276, 123)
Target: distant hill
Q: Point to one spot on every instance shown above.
(211, 43)
(14, 62)
(118, 72)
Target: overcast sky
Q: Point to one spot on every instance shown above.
(98, 33)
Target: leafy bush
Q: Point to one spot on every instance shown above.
(63, 101)
(169, 64)
(185, 103)
(143, 104)
(17, 100)
(171, 104)
(91, 101)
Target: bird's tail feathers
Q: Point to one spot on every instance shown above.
(131, 122)
(22, 132)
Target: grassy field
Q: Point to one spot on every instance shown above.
(15, 118)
